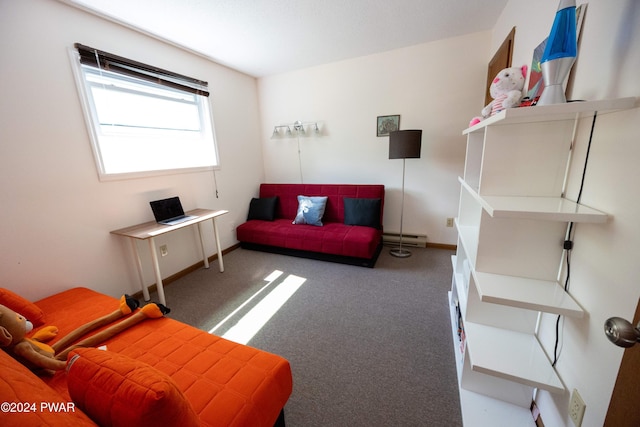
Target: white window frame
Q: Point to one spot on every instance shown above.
(201, 145)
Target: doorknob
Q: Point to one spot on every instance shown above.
(621, 332)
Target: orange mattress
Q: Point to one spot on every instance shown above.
(228, 384)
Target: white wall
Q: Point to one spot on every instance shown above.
(436, 87)
(56, 215)
(604, 267)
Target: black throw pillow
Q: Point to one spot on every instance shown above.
(262, 208)
(365, 212)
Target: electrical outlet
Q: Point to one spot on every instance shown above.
(449, 222)
(164, 250)
(576, 408)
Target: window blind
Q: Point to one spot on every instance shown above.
(117, 64)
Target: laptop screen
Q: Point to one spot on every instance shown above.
(166, 208)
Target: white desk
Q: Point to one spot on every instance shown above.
(149, 230)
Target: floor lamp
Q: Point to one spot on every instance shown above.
(404, 144)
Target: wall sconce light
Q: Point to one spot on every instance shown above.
(295, 129)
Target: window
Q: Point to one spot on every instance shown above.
(143, 120)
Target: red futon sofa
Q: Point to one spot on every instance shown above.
(158, 372)
(349, 230)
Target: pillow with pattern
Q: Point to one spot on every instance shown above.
(310, 210)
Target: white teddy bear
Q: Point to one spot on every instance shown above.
(506, 91)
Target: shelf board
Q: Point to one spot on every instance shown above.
(541, 208)
(531, 294)
(536, 208)
(510, 355)
(478, 409)
(555, 112)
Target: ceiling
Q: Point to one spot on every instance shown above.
(265, 37)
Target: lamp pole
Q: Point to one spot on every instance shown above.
(399, 252)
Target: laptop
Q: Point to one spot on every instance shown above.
(169, 211)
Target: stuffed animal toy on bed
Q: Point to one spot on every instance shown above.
(506, 91)
(35, 354)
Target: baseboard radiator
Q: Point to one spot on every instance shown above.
(413, 240)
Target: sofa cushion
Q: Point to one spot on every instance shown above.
(263, 208)
(332, 238)
(116, 390)
(361, 211)
(310, 210)
(21, 305)
(39, 404)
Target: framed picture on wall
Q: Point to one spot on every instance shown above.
(387, 124)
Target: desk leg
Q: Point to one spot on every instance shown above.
(215, 234)
(205, 258)
(156, 269)
(136, 253)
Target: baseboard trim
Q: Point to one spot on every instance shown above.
(180, 274)
(442, 246)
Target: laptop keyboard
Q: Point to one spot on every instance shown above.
(179, 220)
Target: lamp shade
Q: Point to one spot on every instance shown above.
(405, 144)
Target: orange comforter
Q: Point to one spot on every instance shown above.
(227, 384)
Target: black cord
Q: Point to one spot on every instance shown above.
(215, 183)
(568, 244)
(566, 288)
(586, 159)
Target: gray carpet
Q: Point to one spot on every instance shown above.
(367, 347)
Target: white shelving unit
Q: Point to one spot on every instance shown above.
(511, 223)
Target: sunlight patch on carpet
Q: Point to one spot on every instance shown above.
(251, 323)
